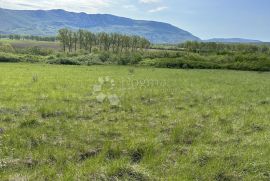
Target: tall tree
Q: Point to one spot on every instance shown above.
(75, 40)
(106, 42)
(63, 37)
(70, 40)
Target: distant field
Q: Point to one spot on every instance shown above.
(32, 43)
(116, 122)
(56, 45)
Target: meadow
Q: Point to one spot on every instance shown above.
(111, 122)
(20, 44)
(98, 49)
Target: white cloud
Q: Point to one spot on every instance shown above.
(158, 9)
(91, 6)
(88, 6)
(149, 1)
(130, 7)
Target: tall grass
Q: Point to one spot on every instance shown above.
(169, 124)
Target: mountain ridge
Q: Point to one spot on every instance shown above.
(48, 22)
(232, 40)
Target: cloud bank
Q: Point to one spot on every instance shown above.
(91, 6)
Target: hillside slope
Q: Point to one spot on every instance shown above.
(41, 22)
(232, 40)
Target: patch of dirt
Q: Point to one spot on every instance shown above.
(129, 173)
(89, 154)
(29, 123)
(2, 130)
(137, 155)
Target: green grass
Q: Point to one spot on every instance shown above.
(18, 44)
(169, 124)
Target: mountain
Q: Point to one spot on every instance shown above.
(232, 40)
(44, 23)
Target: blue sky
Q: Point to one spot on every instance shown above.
(204, 18)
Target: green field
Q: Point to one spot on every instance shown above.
(128, 123)
(19, 44)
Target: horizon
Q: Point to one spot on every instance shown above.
(242, 19)
(134, 90)
(244, 38)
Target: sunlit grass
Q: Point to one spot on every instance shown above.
(169, 124)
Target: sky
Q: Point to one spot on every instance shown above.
(203, 18)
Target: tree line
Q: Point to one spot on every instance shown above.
(86, 40)
(28, 37)
(208, 47)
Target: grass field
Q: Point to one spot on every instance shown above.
(18, 44)
(128, 123)
(32, 43)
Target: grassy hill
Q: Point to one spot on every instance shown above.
(117, 123)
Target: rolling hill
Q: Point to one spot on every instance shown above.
(41, 22)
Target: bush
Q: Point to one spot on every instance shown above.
(64, 61)
(32, 58)
(7, 48)
(71, 54)
(7, 57)
(135, 58)
(149, 62)
(104, 56)
(238, 62)
(162, 54)
(129, 58)
(90, 59)
(123, 60)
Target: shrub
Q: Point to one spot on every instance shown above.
(129, 58)
(123, 60)
(71, 54)
(7, 57)
(212, 62)
(32, 58)
(104, 56)
(148, 62)
(7, 48)
(90, 59)
(64, 61)
(162, 54)
(135, 58)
